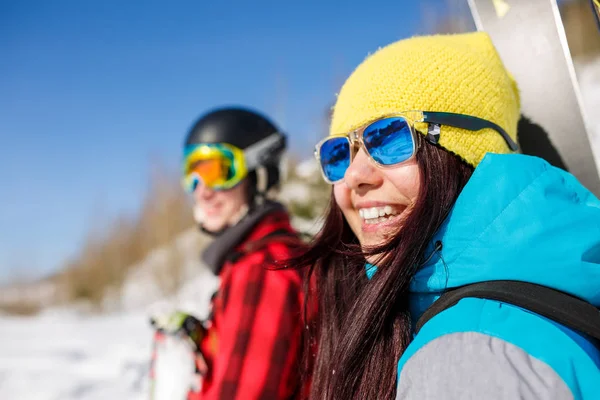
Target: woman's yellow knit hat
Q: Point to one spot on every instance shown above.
(445, 73)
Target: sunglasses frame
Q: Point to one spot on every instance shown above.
(434, 120)
(356, 142)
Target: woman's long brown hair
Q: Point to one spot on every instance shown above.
(363, 327)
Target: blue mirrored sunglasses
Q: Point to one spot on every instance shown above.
(391, 140)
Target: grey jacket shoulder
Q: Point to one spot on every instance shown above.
(471, 365)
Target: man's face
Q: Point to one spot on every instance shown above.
(220, 208)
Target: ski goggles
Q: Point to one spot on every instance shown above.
(221, 166)
(391, 140)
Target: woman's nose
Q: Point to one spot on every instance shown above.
(362, 174)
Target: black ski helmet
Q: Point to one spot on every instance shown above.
(243, 128)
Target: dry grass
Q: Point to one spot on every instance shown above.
(22, 308)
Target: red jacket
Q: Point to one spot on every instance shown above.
(253, 345)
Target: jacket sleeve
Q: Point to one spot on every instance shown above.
(471, 365)
(259, 334)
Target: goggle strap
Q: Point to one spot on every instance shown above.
(262, 179)
(254, 153)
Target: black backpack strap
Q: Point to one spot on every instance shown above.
(560, 307)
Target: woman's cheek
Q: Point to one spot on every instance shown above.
(341, 194)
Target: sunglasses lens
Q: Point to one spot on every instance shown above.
(335, 158)
(389, 141)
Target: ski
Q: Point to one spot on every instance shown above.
(531, 40)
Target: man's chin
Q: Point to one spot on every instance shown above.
(213, 226)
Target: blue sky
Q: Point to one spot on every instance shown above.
(91, 90)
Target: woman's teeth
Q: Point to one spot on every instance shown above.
(374, 215)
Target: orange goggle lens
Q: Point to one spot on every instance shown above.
(212, 172)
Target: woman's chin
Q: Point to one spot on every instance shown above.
(373, 239)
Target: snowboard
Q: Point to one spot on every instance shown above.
(173, 373)
(531, 40)
(177, 365)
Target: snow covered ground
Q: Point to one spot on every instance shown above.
(65, 355)
(69, 354)
(62, 356)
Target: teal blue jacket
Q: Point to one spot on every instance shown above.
(518, 218)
